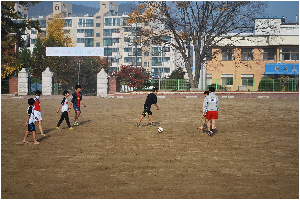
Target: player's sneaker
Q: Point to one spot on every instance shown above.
(151, 124)
(215, 128)
(71, 128)
(210, 133)
(76, 124)
(138, 125)
(58, 128)
(200, 128)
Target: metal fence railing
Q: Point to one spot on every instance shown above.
(170, 84)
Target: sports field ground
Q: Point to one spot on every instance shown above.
(253, 154)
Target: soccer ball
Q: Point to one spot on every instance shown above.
(160, 129)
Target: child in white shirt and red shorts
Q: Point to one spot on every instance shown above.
(211, 105)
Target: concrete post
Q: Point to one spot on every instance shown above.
(47, 82)
(102, 80)
(23, 82)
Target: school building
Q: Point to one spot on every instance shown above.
(272, 50)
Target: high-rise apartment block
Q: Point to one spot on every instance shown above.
(122, 43)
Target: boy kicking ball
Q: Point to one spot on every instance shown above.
(151, 99)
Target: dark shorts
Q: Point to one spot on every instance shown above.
(147, 110)
(76, 108)
(31, 127)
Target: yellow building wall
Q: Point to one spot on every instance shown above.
(237, 67)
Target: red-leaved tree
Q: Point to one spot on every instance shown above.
(132, 76)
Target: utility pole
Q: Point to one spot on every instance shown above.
(135, 44)
(78, 71)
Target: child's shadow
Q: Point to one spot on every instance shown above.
(154, 123)
(84, 122)
(46, 132)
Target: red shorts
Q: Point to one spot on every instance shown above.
(212, 115)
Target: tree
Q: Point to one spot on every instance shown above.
(89, 68)
(38, 56)
(201, 24)
(11, 35)
(177, 74)
(132, 76)
(63, 67)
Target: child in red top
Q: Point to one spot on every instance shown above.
(37, 110)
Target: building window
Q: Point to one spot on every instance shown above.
(208, 55)
(128, 49)
(247, 54)
(80, 40)
(33, 32)
(98, 24)
(89, 32)
(98, 17)
(208, 79)
(167, 59)
(80, 30)
(247, 79)
(227, 79)
(127, 59)
(97, 34)
(89, 42)
(107, 41)
(33, 41)
(85, 22)
(68, 22)
(103, 5)
(156, 51)
(42, 23)
(287, 54)
(146, 53)
(227, 54)
(98, 44)
(268, 54)
(107, 51)
(156, 61)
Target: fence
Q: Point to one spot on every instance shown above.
(170, 84)
(265, 84)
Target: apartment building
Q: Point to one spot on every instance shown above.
(271, 51)
(122, 43)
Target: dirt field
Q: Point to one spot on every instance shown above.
(254, 153)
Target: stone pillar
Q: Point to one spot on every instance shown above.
(102, 83)
(113, 85)
(47, 82)
(13, 85)
(23, 82)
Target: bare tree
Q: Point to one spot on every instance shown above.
(201, 24)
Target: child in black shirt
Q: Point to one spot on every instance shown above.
(151, 99)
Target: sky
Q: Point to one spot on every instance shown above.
(288, 9)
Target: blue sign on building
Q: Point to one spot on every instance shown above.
(282, 68)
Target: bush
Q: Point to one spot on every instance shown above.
(266, 84)
(217, 87)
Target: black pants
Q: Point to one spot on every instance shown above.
(64, 115)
